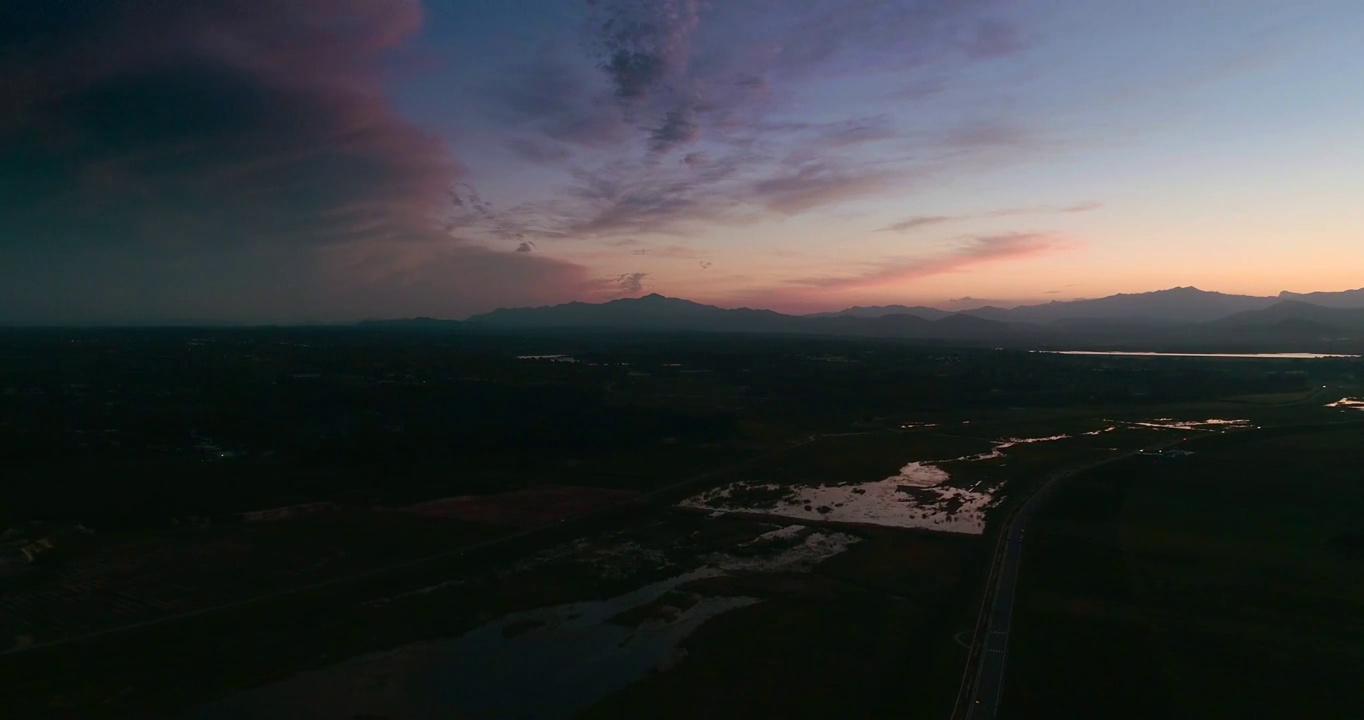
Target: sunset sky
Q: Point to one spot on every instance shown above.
(286, 160)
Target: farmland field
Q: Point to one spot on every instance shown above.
(1222, 584)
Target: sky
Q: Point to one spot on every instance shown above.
(332, 160)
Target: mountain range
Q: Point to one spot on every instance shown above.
(1182, 315)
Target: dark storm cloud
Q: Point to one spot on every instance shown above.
(161, 140)
(209, 124)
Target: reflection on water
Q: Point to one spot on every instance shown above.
(918, 497)
(1173, 424)
(1281, 356)
(1348, 402)
(546, 663)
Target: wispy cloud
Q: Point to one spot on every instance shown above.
(922, 221)
(631, 283)
(982, 250)
(641, 45)
(816, 184)
(1081, 207)
(668, 252)
(552, 100)
(678, 128)
(722, 82)
(539, 150)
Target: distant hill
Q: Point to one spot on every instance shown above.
(1175, 305)
(1178, 316)
(650, 312)
(1293, 313)
(927, 313)
(1343, 299)
(990, 312)
(1180, 305)
(966, 325)
(416, 322)
(658, 313)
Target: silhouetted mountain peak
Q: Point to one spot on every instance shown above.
(1296, 313)
(1131, 312)
(1342, 299)
(876, 311)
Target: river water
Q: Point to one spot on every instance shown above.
(1263, 356)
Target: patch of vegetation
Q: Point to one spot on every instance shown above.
(1205, 586)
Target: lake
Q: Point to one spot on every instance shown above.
(1263, 356)
(544, 664)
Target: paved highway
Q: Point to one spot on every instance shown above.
(983, 681)
(983, 685)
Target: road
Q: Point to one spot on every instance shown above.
(983, 682)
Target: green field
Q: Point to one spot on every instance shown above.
(1224, 584)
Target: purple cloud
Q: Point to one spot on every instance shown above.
(550, 96)
(641, 44)
(696, 160)
(678, 128)
(544, 152)
(667, 74)
(816, 184)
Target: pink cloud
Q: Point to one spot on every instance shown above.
(984, 250)
(217, 144)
